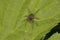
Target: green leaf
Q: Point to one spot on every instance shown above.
(13, 23)
(56, 36)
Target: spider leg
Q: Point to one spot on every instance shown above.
(36, 21)
(25, 23)
(32, 24)
(37, 11)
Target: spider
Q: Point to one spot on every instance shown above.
(31, 17)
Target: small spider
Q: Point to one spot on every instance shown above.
(31, 17)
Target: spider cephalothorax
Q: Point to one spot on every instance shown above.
(31, 17)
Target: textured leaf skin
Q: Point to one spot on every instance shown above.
(13, 25)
